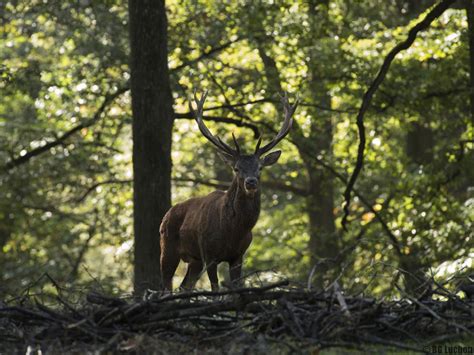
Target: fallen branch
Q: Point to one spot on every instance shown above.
(277, 311)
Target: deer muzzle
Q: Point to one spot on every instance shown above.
(251, 184)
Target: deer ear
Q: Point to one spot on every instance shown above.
(271, 158)
(228, 158)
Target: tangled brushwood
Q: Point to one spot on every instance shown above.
(278, 317)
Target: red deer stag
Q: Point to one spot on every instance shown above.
(205, 231)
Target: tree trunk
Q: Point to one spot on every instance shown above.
(470, 25)
(419, 144)
(415, 280)
(323, 239)
(6, 231)
(323, 243)
(419, 149)
(152, 107)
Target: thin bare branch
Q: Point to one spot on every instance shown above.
(108, 100)
(367, 99)
(205, 54)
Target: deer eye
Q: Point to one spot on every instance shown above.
(236, 170)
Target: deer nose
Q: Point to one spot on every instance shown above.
(251, 183)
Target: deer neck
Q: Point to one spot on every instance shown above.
(244, 209)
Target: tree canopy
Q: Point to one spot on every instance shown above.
(66, 127)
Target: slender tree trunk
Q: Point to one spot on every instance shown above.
(323, 238)
(419, 144)
(470, 25)
(152, 106)
(415, 280)
(323, 243)
(6, 231)
(419, 150)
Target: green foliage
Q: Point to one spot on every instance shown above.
(68, 211)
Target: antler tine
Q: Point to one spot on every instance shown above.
(287, 107)
(257, 147)
(200, 102)
(203, 128)
(225, 147)
(288, 110)
(237, 147)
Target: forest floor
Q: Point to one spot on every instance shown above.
(275, 319)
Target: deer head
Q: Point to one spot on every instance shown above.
(247, 167)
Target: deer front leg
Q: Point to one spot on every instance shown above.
(192, 275)
(212, 273)
(235, 271)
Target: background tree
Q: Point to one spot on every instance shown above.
(152, 106)
(66, 159)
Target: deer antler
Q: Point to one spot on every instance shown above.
(205, 131)
(288, 110)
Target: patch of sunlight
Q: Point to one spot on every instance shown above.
(452, 267)
(124, 248)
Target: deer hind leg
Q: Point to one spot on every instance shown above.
(169, 262)
(192, 274)
(212, 273)
(169, 258)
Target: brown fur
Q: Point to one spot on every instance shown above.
(206, 231)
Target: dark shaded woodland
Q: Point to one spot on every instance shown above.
(372, 195)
